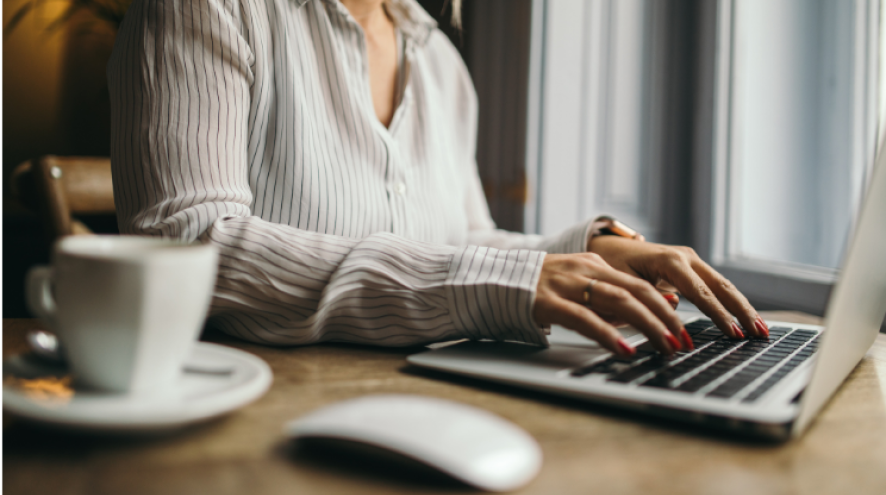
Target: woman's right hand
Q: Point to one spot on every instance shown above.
(615, 296)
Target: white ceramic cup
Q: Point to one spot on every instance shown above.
(127, 309)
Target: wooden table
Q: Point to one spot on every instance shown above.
(587, 449)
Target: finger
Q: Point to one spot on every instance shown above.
(665, 286)
(669, 292)
(697, 291)
(610, 318)
(576, 317)
(646, 294)
(647, 316)
(732, 299)
(626, 307)
(672, 298)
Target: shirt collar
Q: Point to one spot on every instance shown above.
(409, 16)
(412, 20)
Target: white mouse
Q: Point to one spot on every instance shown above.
(467, 443)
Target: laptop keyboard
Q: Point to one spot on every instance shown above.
(719, 366)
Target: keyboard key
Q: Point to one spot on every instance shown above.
(697, 382)
(658, 382)
(779, 352)
(807, 333)
(623, 359)
(757, 344)
(788, 344)
(776, 355)
(744, 352)
(713, 332)
(698, 326)
(732, 386)
(774, 358)
(603, 367)
(758, 367)
(632, 374)
(645, 347)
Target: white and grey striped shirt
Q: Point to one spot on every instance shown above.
(249, 124)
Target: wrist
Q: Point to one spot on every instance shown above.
(605, 225)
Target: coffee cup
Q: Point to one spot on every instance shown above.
(126, 309)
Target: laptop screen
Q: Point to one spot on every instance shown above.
(857, 305)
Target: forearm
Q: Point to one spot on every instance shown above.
(280, 285)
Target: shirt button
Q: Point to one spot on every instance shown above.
(400, 188)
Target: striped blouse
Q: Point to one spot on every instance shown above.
(249, 124)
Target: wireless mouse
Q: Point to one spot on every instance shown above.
(467, 443)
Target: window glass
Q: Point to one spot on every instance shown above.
(800, 122)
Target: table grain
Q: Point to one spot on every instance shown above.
(587, 448)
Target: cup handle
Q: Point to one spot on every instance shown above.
(39, 294)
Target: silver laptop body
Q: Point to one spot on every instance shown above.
(805, 364)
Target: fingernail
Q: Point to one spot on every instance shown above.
(738, 332)
(761, 326)
(687, 340)
(673, 300)
(675, 344)
(626, 348)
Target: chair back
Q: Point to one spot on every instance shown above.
(59, 187)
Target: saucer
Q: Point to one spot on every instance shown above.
(43, 392)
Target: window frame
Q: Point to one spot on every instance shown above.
(576, 58)
(769, 285)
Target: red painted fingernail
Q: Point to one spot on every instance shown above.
(761, 326)
(671, 297)
(675, 344)
(626, 348)
(738, 332)
(687, 340)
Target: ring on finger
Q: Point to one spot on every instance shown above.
(586, 296)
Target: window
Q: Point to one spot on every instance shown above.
(794, 136)
(743, 128)
(596, 115)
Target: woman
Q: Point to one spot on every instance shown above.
(327, 148)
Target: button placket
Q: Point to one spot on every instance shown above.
(396, 186)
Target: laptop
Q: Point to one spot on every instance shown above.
(771, 388)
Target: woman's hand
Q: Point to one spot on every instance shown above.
(568, 296)
(694, 279)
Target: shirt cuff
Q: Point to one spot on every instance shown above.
(491, 294)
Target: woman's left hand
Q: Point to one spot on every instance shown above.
(681, 267)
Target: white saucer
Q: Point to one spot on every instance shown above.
(41, 391)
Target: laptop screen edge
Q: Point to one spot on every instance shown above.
(857, 305)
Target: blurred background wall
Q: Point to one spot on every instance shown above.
(55, 101)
